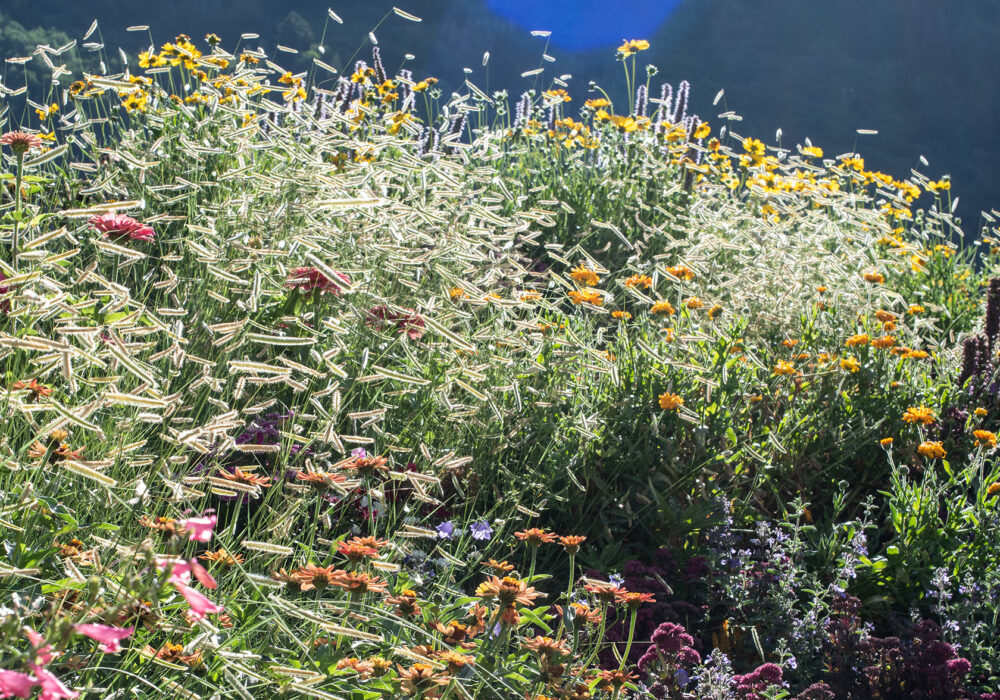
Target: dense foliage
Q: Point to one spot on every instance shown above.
(337, 387)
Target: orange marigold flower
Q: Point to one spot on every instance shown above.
(783, 368)
(456, 293)
(644, 281)
(884, 343)
(670, 402)
(622, 315)
(681, 272)
(584, 276)
(663, 307)
(985, 438)
(693, 303)
(980, 412)
(715, 311)
(915, 309)
(931, 450)
(993, 490)
(874, 277)
(850, 364)
(919, 414)
(885, 316)
(535, 536)
(857, 339)
(588, 295)
(886, 443)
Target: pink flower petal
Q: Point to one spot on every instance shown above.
(52, 687)
(110, 637)
(200, 528)
(14, 684)
(201, 573)
(200, 605)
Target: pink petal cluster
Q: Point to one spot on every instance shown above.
(200, 605)
(115, 226)
(181, 571)
(200, 529)
(109, 637)
(14, 684)
(52, 687)
(308, 279)
(404, 320)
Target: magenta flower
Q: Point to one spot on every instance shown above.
(181, 570)
(116, 226)
(308, 279)
(52, 687)
(405, 320)
(109, 637)
(200, 528)
(200, 605)
(14, 684)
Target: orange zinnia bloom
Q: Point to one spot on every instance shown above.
(535, 536)
(319, 577)
(508, 590)
(572, 543)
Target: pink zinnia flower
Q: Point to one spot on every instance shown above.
(200, 528)
(21, 141)
(109, 637)
(200, 605)
(52, 687)
(308, 279)
(116, 226)
(180, 571)
(14, 684)
(405, 320)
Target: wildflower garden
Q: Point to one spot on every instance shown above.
(333, 385)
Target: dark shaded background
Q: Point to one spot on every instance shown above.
(922, 73)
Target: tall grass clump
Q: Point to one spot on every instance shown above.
(330, 385)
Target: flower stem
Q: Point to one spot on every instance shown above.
(17, 209)
(631, 635)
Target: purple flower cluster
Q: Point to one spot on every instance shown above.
(750, 686)
(668, 661)
(919, 664)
